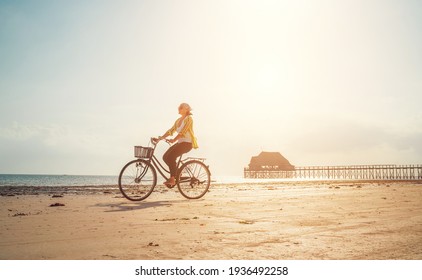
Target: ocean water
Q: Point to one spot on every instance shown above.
(30, 180)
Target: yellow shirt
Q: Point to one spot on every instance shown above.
(186, 131)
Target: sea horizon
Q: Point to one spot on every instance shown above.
(71, 180)
(52, 180)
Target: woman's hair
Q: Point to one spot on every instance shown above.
(187, 107)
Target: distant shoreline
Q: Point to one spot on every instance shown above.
(114, 188)
(51, 190)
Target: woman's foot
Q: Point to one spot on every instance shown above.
(170, 183)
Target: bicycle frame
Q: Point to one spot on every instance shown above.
(161, 169)
(157, 164)
(193, 176)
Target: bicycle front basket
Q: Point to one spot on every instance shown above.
(143, 152)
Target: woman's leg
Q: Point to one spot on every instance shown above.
(173, 153)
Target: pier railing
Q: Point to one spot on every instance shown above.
(353, 172)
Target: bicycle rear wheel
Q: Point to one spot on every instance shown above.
(193, 179)
(137, 180)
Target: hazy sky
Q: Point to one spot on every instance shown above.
(322, 82)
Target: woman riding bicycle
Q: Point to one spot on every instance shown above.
(185, 139)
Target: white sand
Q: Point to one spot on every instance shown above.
(263, 221)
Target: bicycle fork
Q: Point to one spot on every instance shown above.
(144, 171)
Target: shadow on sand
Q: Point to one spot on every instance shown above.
(131, 206)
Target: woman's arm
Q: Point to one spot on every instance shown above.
(164, 136)
(187, 126)
(169, 132)
(175, 138)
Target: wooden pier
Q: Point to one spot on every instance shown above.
(353, 172)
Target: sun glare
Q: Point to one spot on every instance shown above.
(268, 79)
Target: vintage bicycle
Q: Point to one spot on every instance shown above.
(138, 177)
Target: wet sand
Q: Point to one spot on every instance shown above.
(292, 220)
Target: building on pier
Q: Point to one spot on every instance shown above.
(274, 165)
(269, 165)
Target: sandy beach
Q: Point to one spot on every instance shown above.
(287, 220)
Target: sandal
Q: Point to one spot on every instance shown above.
(169, 185)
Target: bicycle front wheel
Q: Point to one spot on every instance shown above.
(137, 180)
(193, 179)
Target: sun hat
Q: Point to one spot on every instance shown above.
(187, 106)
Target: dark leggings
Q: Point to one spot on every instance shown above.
(173, 153)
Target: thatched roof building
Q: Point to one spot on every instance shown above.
(270, 161)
